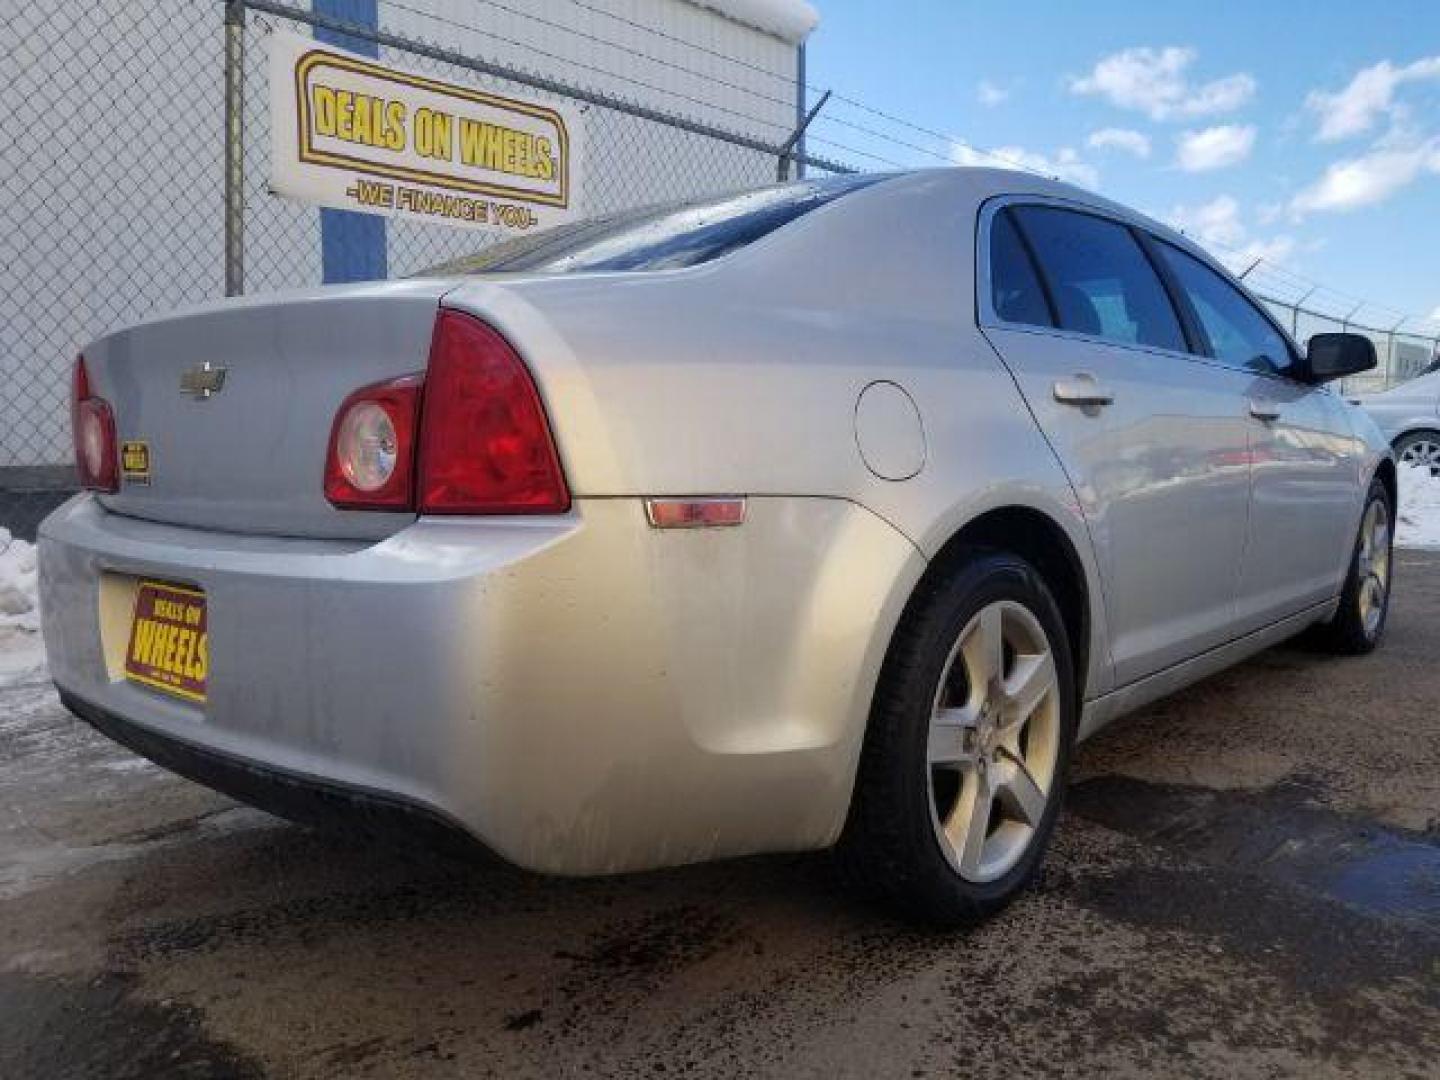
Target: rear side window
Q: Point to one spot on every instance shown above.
(1239, 334)
(1015, 288)
(659, 238)
(1100, 278)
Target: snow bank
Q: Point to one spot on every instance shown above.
(19, 600)
(1419, 525)
(22, 653)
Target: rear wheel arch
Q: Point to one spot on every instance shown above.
(1044, 544)
(1420, 428)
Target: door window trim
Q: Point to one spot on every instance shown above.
(1292, 350)
(1198, 349)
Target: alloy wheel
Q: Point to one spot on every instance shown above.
(994, 741)
(1374, 566)
(1424, 452)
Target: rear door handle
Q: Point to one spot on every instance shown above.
(1264, 410)
(1083, 392)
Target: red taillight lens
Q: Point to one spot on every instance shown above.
(485, 445)
(92, 424)
(371, 461)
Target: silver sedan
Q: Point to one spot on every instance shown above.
(830, 514)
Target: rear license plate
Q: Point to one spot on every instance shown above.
(168, 648)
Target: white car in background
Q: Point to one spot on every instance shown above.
(1409, 416)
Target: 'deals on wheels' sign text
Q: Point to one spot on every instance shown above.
(351, 133)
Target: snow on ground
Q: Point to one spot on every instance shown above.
(19, 601)
(22, 655)
(21, 651)
(1419, 525)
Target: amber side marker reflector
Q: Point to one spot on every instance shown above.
(694, 513)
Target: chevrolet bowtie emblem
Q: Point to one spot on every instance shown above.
(202, 380)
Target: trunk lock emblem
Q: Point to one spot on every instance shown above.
(202, 380)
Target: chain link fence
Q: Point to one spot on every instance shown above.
(636, 153)
(1402, 354)
(128, 190)
(135, 172)
(110, 205)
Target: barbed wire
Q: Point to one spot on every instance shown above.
(710, 106)
(813, 88)
(1346, 307)
(949, 141)
(595, 39)
(643, 137)
(941, 146)
(631, 81)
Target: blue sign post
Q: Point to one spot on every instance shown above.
(352, 246)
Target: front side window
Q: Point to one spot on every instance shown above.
(1239, 334)
(1100, 279)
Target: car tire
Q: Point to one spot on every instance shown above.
(1420, 448)
(941, 841)
(1359, 622)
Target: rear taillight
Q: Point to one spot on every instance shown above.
(470, 436)
(371, 463)
(92, 424)
(485, 445)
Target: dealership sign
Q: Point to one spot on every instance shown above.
(351, 133)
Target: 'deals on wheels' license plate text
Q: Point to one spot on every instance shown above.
(168, 648)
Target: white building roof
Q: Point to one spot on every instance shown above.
(789, 20)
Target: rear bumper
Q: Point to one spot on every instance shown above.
(306, 799)
(582, 693)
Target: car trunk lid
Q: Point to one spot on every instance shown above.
(234, 403)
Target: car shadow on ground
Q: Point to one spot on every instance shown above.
(1245, 881)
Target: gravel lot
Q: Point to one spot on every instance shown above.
(1246, 883)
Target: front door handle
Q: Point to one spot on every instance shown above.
(1083, 392)
(1264, 410)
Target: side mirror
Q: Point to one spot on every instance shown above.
(1333, 356)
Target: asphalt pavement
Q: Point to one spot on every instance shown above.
(1246, 882)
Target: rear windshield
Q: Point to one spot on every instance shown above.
(658, 238)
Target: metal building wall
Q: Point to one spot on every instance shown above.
(112, 174)
(668, 54)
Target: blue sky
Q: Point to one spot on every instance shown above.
(1308, 133)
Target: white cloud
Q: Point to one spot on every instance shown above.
(1217, 221)
(1215, 147)
(1435, 315)
(1065, 165)
(1132, 142)
(1368, 179)
(1155, 82)
(990, 94)
(1368, 96)
(1220, 223)
(1275, 249)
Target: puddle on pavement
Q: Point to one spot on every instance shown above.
(1283, 834)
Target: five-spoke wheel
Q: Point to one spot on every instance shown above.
(1359, 618)
(1373, 565)
(994, 737)
(968, 745)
